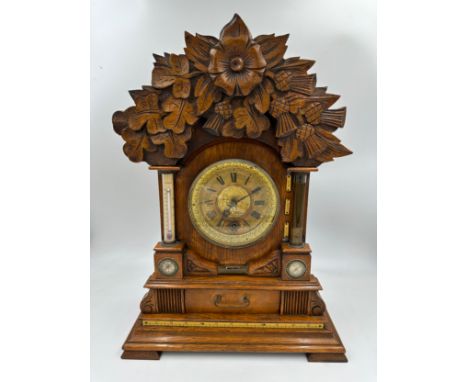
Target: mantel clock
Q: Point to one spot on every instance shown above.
(233, 130)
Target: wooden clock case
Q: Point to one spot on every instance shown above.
(233, 299)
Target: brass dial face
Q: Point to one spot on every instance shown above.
(233, 203)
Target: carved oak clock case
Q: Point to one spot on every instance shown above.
(233, 131)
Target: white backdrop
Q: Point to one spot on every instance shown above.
(340, 36)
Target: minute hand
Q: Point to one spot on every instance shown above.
(250, 193)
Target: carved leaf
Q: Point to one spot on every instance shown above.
(181, 113)
(179, 64)
(170, 70)
(136, 144)
(303, 84)
(181, 88)
(312, 142)
(229, 130)
(332, 119)
(198, 50)
(253, 122)
(192, 267)
(161, 60)
(146, 111)
(206, 92)
(174, 144)
(162, 77)
(273, 48)
(285, 125)
(295, 63)
(326, 100)
(334, 148)
(145, 100)
(260, 96)
(296, 103)
(235, 32)
(166, 71)
(291, 148)
(120, 119)
(213, 124)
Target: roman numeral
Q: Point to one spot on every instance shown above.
(259, 202)
(211, 189)
(255, 214)
(220, 223)
(212, 214)
(247, 180)
(234, 177)
(220, 179)
(209, 202)
(256, 190)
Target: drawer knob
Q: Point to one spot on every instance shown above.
(219, 303)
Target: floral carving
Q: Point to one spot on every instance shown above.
(232, 86)
(236, 61)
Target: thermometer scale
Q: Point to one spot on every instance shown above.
(168, 207)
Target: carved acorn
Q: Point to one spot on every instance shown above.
(224, 109)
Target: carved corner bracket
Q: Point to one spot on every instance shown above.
(232, 86)
(316, 304)
(148, 303)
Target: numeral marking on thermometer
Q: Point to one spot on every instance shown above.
(168, 207)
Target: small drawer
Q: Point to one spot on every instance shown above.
(231, 301)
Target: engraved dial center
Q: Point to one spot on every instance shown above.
(234, 201)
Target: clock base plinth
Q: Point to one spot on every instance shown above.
(315, 336)
(139, 354)
(326, 357)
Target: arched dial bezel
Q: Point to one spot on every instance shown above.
(207, 227)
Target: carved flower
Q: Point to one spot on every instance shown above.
(236, 61)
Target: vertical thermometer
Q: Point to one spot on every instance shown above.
(167, 189)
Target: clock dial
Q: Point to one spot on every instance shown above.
(233, 203)
(296, 269)
(168, 267)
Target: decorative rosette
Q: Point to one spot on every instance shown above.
(232, 87)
